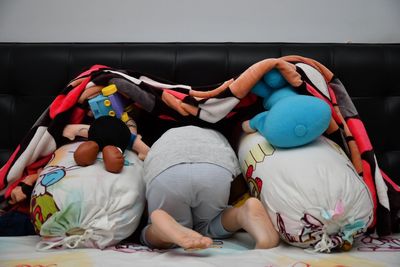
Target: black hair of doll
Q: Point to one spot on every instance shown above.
(108, 130)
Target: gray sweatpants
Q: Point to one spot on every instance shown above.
(194, 194)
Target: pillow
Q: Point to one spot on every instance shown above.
(313, 194)
(73, 206)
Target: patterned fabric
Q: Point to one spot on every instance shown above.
(329, 204)
(64, 202)
(348, 130)
(210, 104)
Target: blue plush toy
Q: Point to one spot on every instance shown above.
(291, 119)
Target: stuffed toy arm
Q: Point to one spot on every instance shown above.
(249, 126)
(71, 131)
(24, 189)
(137, 144)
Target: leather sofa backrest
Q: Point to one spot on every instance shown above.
(31, 75)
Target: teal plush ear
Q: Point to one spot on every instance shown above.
(261, 89)
(274, 79)
(293, 121)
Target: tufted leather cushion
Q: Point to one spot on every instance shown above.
(31, 75)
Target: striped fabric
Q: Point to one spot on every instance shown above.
(208, 104)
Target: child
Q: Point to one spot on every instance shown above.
(188, 172)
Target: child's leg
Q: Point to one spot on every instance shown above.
(211, 187)
(253, 218)
(164, 232)
(168, 197)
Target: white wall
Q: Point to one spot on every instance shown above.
(371, 21)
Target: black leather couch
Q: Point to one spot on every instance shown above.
(32, 74)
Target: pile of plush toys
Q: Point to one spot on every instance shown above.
(290, 119)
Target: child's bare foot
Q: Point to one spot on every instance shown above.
(255, 220)
(165, 231)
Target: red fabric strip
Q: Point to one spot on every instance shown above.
(360, 134)
(390, 181)
(368, 179)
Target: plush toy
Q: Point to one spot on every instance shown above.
(24, 189)
(290, 119)
(109, 135)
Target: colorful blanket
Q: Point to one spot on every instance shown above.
(209, 104)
